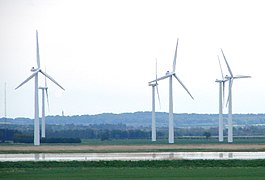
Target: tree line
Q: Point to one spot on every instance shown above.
(104, 132)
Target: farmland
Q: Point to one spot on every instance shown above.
(187, 169)
(141, 145)
(199, 169)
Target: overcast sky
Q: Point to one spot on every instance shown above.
(103, 53)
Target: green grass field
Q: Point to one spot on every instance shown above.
(201, 169)
(134, 173)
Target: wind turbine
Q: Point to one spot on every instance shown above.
(230, 79)
(43, 123)
(170, 76)
(35, 73)
(221, 98)
(154, 86)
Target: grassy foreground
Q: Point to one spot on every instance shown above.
(184, 169)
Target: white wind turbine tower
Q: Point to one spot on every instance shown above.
(154, 86)
(36, 99)
(229, 100)
(221, 101)
(170, 76)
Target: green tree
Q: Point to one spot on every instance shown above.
(105, 135)
(207, 135)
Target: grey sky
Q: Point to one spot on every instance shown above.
(103, 53)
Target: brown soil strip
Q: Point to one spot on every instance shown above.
(133, 147)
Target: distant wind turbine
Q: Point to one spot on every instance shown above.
(221, 100)
(44, 91)
(170, 75)
(154, 86)
(230, 79)
(36, 104)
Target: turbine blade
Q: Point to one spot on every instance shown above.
(228, 98)
(158, 96)
(156, 69)
(240, 76)
(46, 90)
(223, 91)
(157, 87)
(38, 53)
(175, 57)
(30, 77)
(220, 67)
(183, 85)
(45, 79)
(49, 77)
(229, 69)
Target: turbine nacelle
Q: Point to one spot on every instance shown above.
(228, 77)
(221, 80)
(163, 77)
(33, 69)
(152, 84)
(43, 87)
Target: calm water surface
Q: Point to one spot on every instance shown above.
(130, 156)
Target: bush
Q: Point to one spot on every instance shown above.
(29, 139)
(23, 138)
(60, 140)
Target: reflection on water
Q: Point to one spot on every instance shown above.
(37, 156)
(171, 155)
(131, 156)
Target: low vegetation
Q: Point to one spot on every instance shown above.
(132, 164)
(29, 139)
(191, 169)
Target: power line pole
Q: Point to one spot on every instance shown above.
(5, 100)
(4, 125)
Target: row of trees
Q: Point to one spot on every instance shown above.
(72, 136)
(101, 134)
(7, 134)
(104, 133)
(20, 137)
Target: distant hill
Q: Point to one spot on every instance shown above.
(143, 119)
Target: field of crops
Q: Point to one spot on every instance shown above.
(187, 169)
(199, 169)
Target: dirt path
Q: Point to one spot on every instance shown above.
(134, 147)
